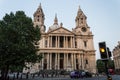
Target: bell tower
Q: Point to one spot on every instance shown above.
(81, 26)
(84, 41)
(39, 18)
(80, 18)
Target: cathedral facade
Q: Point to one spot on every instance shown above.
(65, 49)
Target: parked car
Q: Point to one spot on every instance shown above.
(74, 74)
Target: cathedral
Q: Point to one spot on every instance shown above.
(63, 49)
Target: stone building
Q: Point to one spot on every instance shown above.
(65, 49)
(116, 57)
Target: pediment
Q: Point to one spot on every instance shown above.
(61, 30)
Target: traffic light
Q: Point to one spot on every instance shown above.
(103, 50)
(109, 52)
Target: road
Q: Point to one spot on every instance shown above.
(114, 77)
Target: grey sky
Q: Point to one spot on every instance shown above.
(103, 16)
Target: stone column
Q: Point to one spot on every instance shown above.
(79, 60)
(58, 61)
(48, 63)
(72, 61)
(43, 61)
(75, 61)
(67, 61)
(83, 61)
(50, 60)
(64, 61)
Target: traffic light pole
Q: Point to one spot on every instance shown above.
(106, 70)
(105, 54)
(106, 67)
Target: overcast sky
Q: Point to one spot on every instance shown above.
(103, 16)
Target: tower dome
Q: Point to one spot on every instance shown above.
(55, 25)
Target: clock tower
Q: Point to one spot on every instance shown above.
(84, 41)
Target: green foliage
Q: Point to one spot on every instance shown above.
(17, 39)
(111, 64)
(101, 65)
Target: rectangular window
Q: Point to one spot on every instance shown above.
(85, 43)
(81, 20)
(86, 61)
(38, 20)
(61, 41)
(76, 61)
(75, 44)
(45, 43)
(53, 41)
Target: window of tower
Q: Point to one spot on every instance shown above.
(37, 19)
(85, 43)
(81, 20)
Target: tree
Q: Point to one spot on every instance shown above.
(18, 40)
(111, 64)
(101, 65)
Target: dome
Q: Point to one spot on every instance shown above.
(55, 26)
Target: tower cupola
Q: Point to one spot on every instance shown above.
(39, 18)
(80, 18)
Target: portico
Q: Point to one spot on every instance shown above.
(66, 61)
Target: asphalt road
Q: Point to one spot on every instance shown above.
(114, 77)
